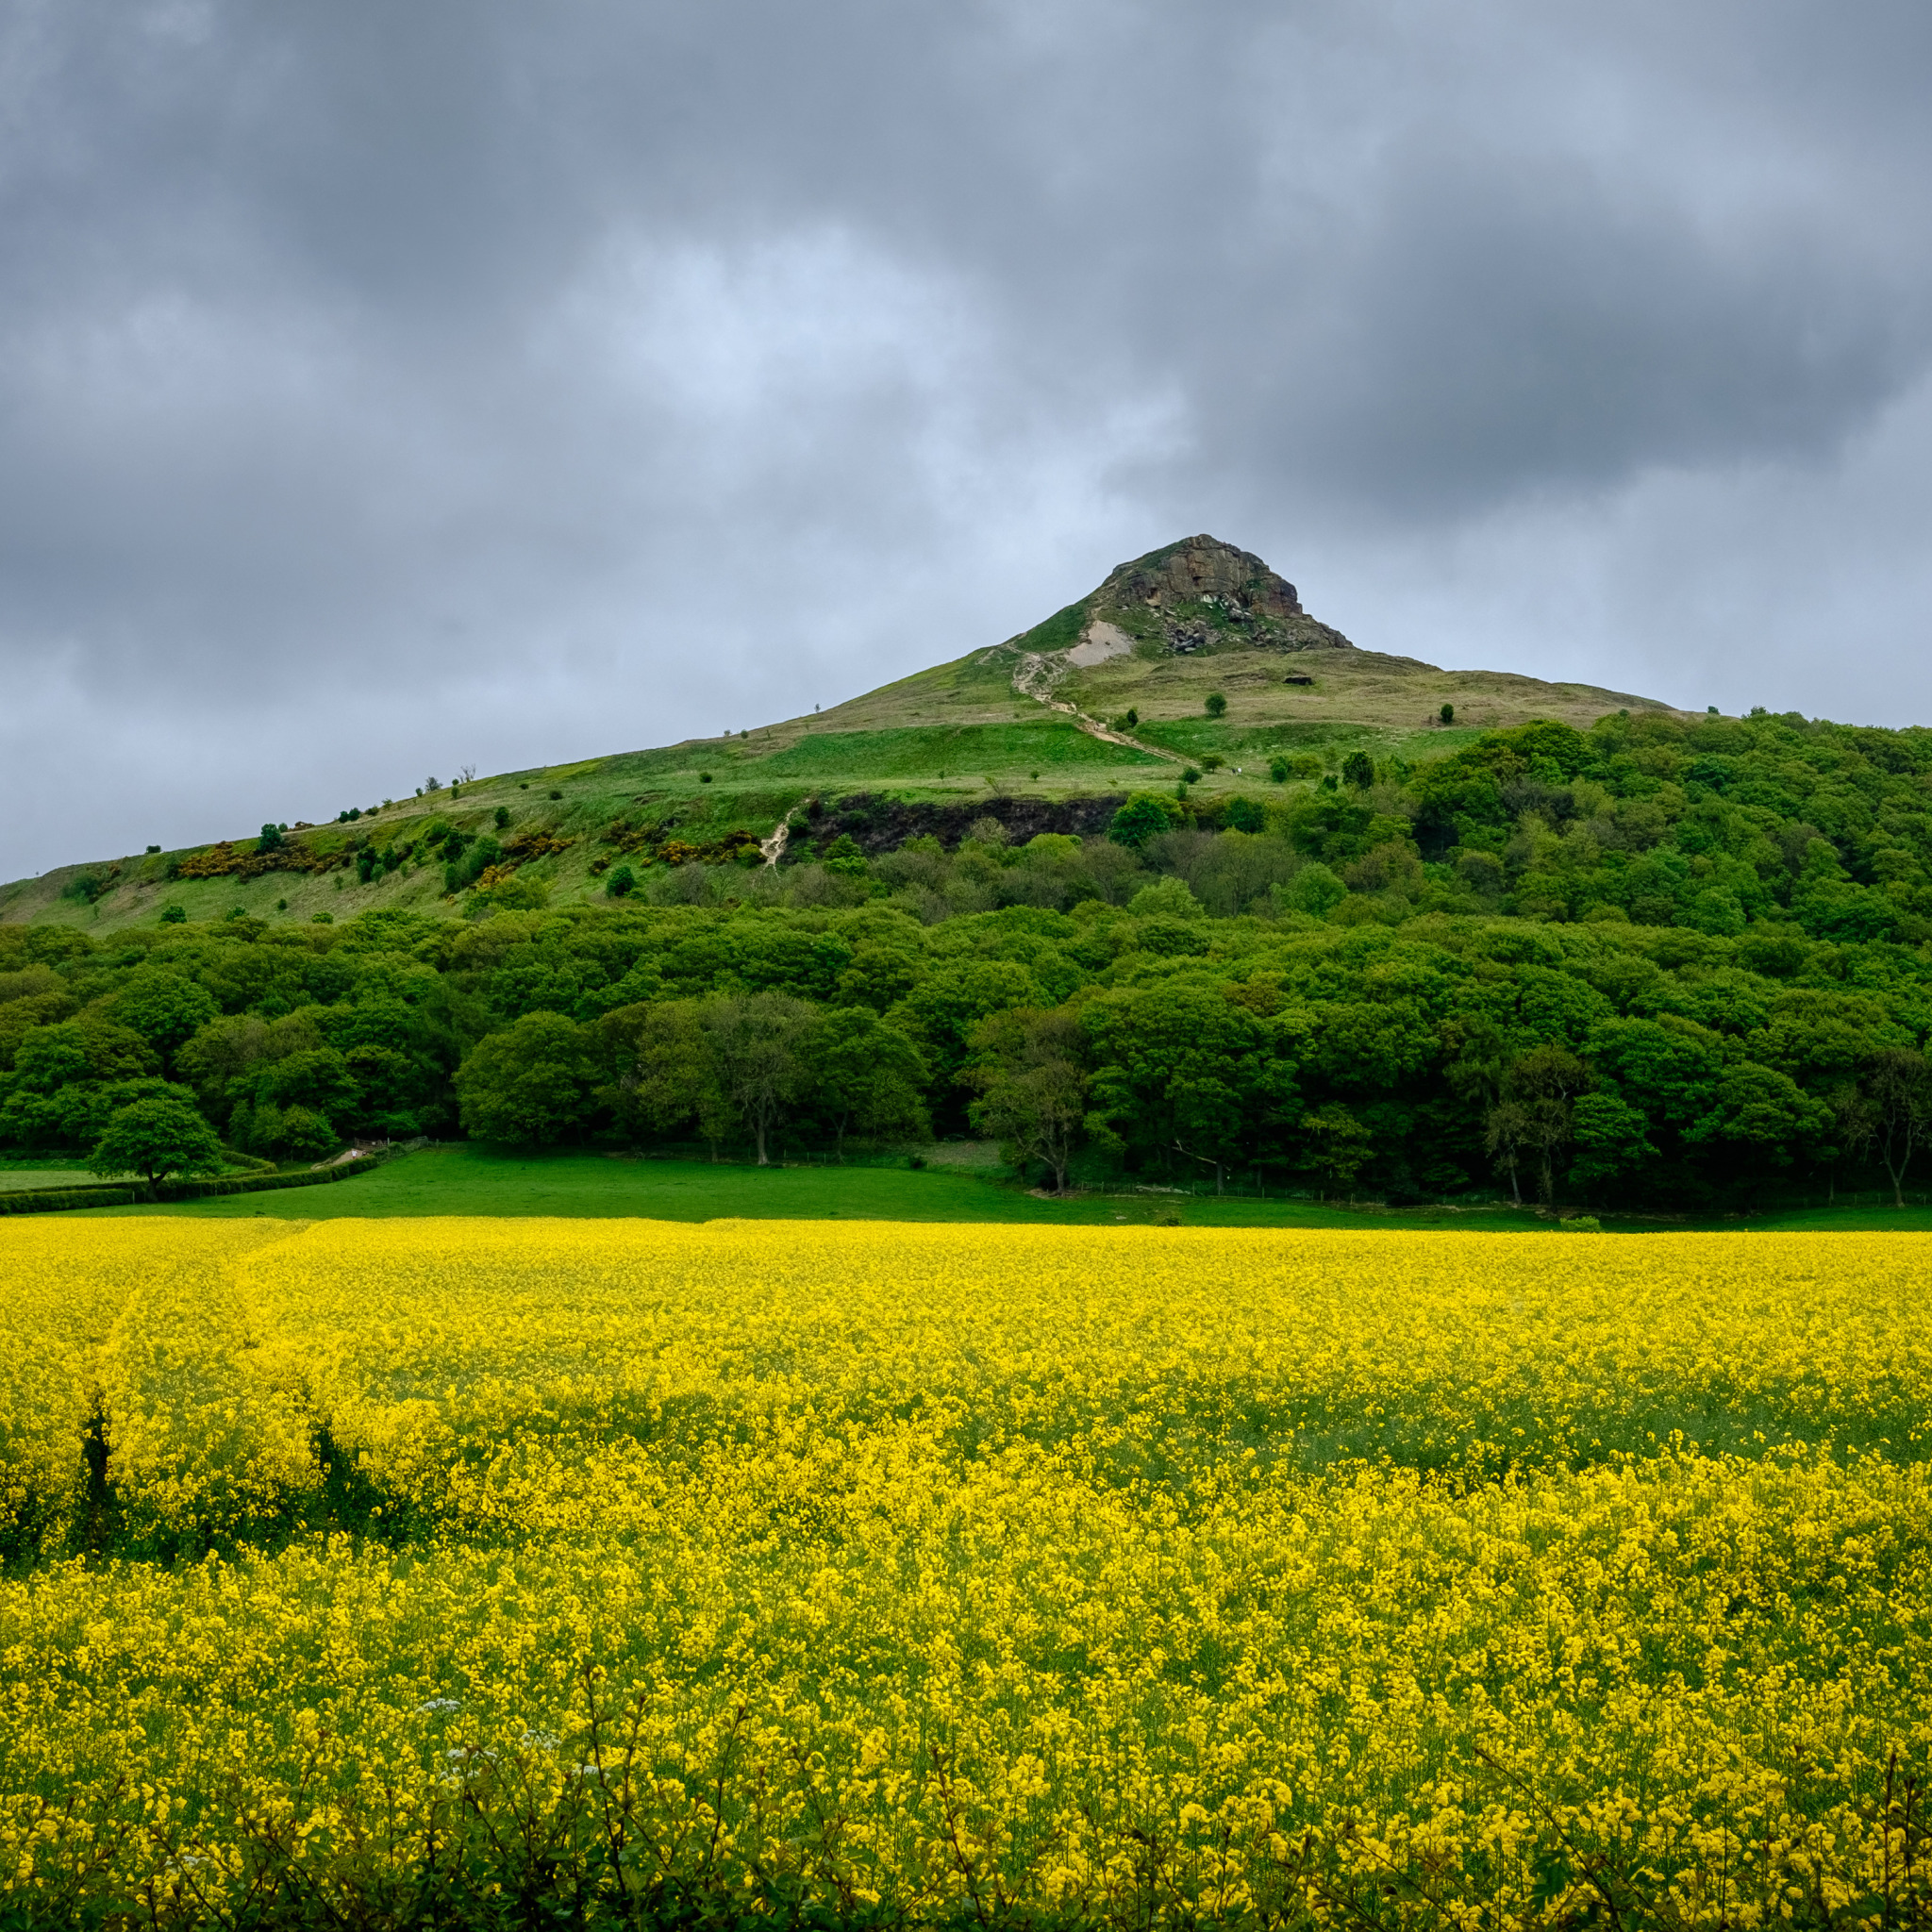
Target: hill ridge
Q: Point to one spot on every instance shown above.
(1107, 695)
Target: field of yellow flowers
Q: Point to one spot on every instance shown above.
(395, 1573)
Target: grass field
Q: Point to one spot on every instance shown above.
(471, 1179)
(490, 1573)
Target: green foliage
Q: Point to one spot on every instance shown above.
(1216, 704)
(1357, 771)
(1447, 714)
(1720, 921)
(865, 1077)
(1165, 899)
(530, 1084)
(173, 915)
(620, 881)
(845, 855)
(271, 840)
(160, 1135)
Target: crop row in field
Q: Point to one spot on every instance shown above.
(1151, 1576)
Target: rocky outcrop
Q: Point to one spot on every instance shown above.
(1200, 595)
(1201, 570)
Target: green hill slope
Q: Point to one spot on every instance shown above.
(1041, 716)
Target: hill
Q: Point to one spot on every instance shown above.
(1036, 728)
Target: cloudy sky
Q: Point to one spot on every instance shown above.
(385, 389)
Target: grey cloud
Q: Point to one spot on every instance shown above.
(553, 380)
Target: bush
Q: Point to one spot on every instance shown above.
(1447, 714)
(173, 915)
(271, 840)
(622, 881)
(502, 816)
(1277, 769)
(293, 1133)
(1192, 775)
(846, 857)
(555, 794)
(703, 777)
(1216, 704)
(1357, 771)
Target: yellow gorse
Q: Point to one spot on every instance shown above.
(1150, 1575)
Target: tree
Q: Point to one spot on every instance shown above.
(1180, 1069)
(531, 1083)
(293, 1133)
(757, 1049)
(1216, 704)
(866, 1075)
(1356, 771)
(155, 1137)
(1535, 1113)
(658, 1055)
(1314, 890)
(1145, 816)
(1447, 714)
(1897, 1083)
(1033, 1087)
(1335, 1143)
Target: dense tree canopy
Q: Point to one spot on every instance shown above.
(1660, 961)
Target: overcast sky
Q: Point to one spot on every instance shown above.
(390, 388)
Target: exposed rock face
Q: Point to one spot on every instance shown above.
(1198, 595)
(1206, 596)
(1201, 568)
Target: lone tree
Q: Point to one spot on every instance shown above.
(154, 1138)
(1447, 714)
(1216, 704)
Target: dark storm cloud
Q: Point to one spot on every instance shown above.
(387, 387)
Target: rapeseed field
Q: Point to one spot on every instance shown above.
(471, 1573)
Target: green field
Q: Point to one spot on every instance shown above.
(469, 1179)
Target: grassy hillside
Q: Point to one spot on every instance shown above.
(1030, 718)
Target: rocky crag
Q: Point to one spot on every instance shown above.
(1197, 597)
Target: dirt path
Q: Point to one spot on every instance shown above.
(1038, 676)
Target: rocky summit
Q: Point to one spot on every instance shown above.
(1199, 596)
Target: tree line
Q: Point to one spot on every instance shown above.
(1389, 984)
